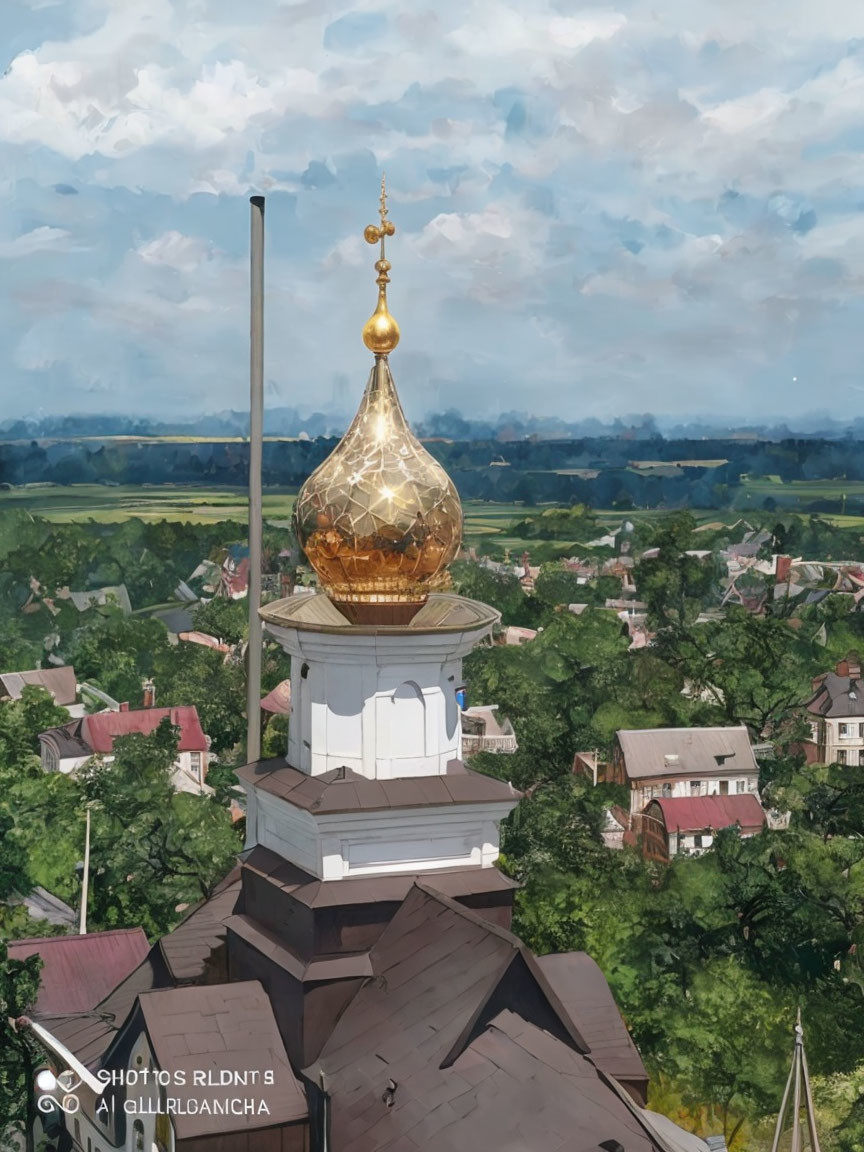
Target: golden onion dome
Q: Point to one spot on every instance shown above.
(380, 520)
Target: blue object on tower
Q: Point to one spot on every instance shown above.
(462, 698)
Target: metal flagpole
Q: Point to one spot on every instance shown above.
(256, 417)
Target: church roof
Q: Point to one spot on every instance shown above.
(344, 790)
(584, 992)
(215, 1027)
(188, 948)
(461, 1019)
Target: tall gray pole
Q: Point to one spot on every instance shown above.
(256, 417)
(85, 878)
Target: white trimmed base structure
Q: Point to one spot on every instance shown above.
(379, 700)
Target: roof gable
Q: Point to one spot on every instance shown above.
(102, 728)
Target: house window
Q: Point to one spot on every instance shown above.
(697, 841)
(667, 789)
(841, 756)
(724, 787)
(695, 787)
(195, 763)
(138, 1130)
(740, 786)
(77, 1128)
(845, 730)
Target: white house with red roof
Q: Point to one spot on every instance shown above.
(66, 748)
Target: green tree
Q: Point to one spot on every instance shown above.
(225, 619)
(675, 586)
(153, 850)
(19, 1055)
(499, 590)
(755, 668)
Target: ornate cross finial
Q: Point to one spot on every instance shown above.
(381, 333)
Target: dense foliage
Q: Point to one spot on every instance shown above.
(708, 958)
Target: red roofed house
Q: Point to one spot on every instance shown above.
(66, 748)
(78, 972)
(686, 826)
(682, 762)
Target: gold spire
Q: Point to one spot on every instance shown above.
(381, 332)
(380, 520)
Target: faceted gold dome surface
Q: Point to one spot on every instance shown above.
(380, 519)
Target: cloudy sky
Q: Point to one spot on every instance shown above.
(656, 205)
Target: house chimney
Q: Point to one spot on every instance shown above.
(149, 700)
(842, 668)
(124, 707)
(784, 567)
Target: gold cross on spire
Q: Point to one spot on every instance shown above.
(381, 333)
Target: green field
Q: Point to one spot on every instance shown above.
(190, 504)
(187, 504)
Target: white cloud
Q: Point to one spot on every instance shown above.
(31, 243)
(546, 161)
(174, 250)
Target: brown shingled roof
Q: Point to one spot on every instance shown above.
(344, 790)
(218, 1027)
(686, 751)
(60, 682)
(584, 992)
(461, 1018)
(189, 947)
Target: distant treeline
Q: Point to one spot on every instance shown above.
(600, 472)
(451, 424)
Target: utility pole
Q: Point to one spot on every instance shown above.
(85, 877)
(798, 1083)
(256, 418)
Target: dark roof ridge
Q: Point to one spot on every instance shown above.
(471, 915)
(520, 948)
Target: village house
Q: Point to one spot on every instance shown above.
(686, 826)
(60, 682)
(483, 730)
(66, 748)
(669, 763)
(836, 713)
